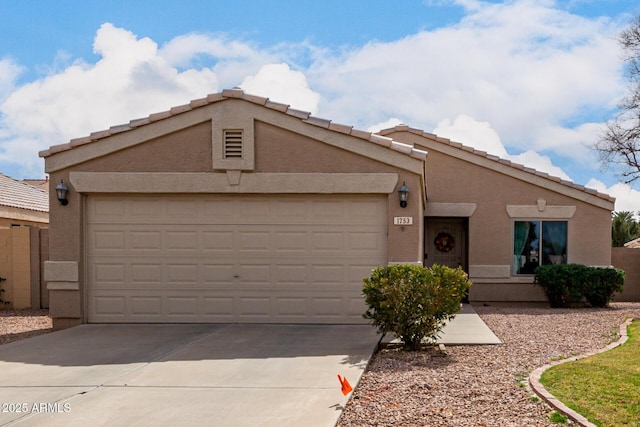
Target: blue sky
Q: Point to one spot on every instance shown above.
(528, 80)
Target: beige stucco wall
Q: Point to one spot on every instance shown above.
(15, 266)
(11, 216)
(277, 151)
(628, 259)
(490, 236)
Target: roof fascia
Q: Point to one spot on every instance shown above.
(519, 174)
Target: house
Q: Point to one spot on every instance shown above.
(234, 208)
(22, 204)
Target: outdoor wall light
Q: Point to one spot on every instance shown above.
(403, 192)
(61, 192)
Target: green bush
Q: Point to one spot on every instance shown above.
(570, 285)
(414, 302)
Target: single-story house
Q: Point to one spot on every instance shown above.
(234, 208)
(22, 204)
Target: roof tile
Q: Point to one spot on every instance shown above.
(277, 106)
(316, 121)
(340, 128)
(304, 115)
(381, 140)
(17, 194)
(181, 109)
(361, 133)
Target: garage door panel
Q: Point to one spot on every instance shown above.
(218, 307)
(108, 274)
(291, 242)
(254, 241)
(108, 240)
(232, 258)
(145, 306)
(144, 274)
(182, 307)
(181, 240)
(217, 241)
(149, 240)
(291, 274)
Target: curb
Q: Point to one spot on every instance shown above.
(551, 400)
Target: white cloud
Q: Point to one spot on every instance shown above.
(467, 130)
(387, 124)
(540, 163)
(481, 136)
(9, 72)
(281, 84)
(526, 77)
(627, 198)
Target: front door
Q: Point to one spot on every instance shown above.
(446, 242)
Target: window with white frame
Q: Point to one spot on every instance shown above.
(538, 243)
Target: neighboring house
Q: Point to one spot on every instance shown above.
(22, 204)
(635, 244)
(234, 208)
(42, 184)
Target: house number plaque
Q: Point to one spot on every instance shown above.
(402, 220)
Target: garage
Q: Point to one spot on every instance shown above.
(229, 209)
(212, 258)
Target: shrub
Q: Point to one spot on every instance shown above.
(569, 285)
(601, 284)
(414, 302)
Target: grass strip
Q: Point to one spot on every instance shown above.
(604, 388)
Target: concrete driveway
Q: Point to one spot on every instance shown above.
(182, 375)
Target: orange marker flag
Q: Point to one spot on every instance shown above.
(346, 387)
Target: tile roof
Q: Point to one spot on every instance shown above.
(436, 138)
(17, 194)
(304, 116)
(633, 244)
(42, 184)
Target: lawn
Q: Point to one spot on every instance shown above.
(604, 388)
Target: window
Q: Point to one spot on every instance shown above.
(538, 243)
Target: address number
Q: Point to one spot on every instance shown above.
(402, 220)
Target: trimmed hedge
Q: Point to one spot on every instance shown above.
(570, 285)
(414, 302)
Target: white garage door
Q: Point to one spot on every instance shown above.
(296, 259)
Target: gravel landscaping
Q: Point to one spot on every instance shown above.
(18, 324)
(481, 385)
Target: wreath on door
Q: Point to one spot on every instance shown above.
(444, 242)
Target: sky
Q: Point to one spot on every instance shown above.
(532, 81)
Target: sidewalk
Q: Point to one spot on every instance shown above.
(467, 328)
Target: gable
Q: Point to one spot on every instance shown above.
(231, 110)
(486, 171)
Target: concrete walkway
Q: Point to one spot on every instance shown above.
(467, 328)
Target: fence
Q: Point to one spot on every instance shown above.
(628, 259)
(23, 251)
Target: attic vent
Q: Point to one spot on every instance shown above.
(232, 144)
